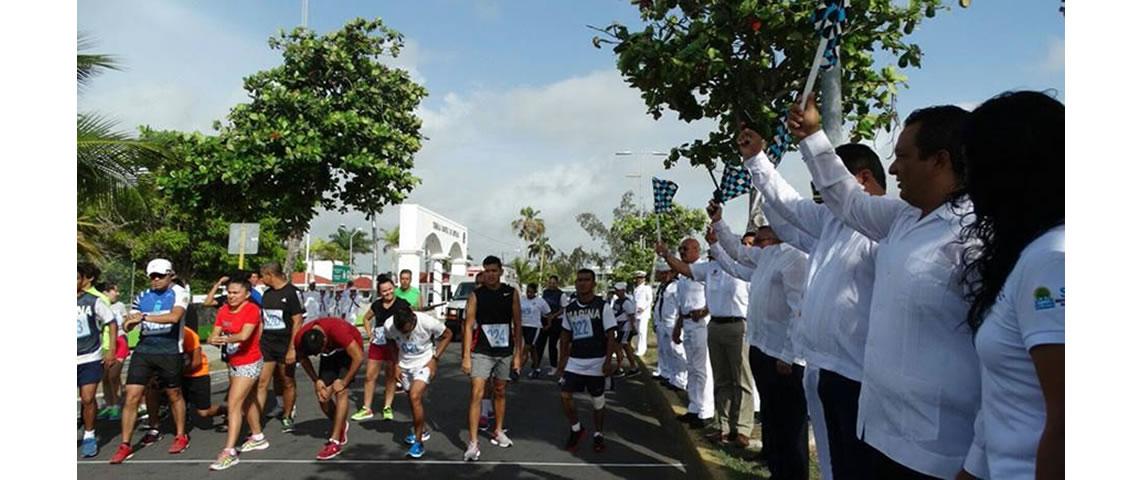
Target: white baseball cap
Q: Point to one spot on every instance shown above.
(159, 265)
(661, 265)
(639, 273)
(619, 286)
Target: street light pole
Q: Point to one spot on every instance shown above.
(640, 169)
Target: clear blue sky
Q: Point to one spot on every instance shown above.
(517, 89)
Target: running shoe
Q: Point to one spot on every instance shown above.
(599, 443)
(387, 414)
(104, 413)
(90, 447)
(501, 440)
(533, 374)
(179, 444)
(411, 438)
(251, 444)
(484, 423)
(116, 413)
(124, 452)
(330, 450)
(575, 437)
(472, 453)
(225, 425)
(364, 413)
(151, 437)
(417, 450)
(286, 424)
(225, 460)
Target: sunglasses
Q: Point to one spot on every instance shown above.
(156, 276)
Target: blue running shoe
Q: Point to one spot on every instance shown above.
(90, 447)
(417, 450)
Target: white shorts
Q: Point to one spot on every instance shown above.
(408, 377)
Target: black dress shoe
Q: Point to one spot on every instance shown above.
(698, 424)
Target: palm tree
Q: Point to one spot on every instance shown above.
(355, 238)
(389, 242)
(529, 226)
(542, 249)
(106, 160)
(524, 269)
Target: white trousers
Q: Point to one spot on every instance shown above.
(818, 423)
(671, 358)
(700, 382)
(642, 335)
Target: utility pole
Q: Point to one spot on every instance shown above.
(305, 13)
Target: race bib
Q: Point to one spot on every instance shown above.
(409, 348)
(498, 335)
(582, 328)
(82, 328)
(378, 337)
(274, 319)
(232, 348)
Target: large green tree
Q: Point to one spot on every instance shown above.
(631, 235)
(331, 127)
(725, 60)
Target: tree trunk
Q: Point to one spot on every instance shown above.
(293, 247)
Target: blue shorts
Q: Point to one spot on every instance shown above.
(90, 372)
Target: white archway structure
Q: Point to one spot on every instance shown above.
(426, 235)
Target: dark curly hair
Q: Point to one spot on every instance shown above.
(1014, 146)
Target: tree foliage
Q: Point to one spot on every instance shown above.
(331, 127)
(729, 59)
(631, 235)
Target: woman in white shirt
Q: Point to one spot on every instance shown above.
(1018, 300)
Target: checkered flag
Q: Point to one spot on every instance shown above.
(783, 141)
(663, 191)
(734, 182)
(830, 15)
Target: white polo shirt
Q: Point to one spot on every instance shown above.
(775, 289)
(665, 311)
(832, 332)
(726, 295)
(921, 380)
(1029, 312)
(691, 296)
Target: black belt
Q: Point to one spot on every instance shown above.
(727, 319)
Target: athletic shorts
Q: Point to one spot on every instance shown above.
(408, 377)
(196, 391)
(625, 332)
(167, 368)
(575, 383)
(249, 370)
(383, 353)
(486, 366)
(122, 350)
(530, 334)
(90, 373)
(273, 349)
(333, 367)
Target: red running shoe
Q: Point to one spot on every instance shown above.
(180, 444)
(124, 452)
(330, 450)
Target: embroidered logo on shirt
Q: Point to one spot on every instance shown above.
(1043, 299)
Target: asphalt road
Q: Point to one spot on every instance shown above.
(637, 444)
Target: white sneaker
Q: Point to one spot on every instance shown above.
(472, 453)
(501, 440)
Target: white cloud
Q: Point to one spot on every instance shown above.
(1055, 56)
